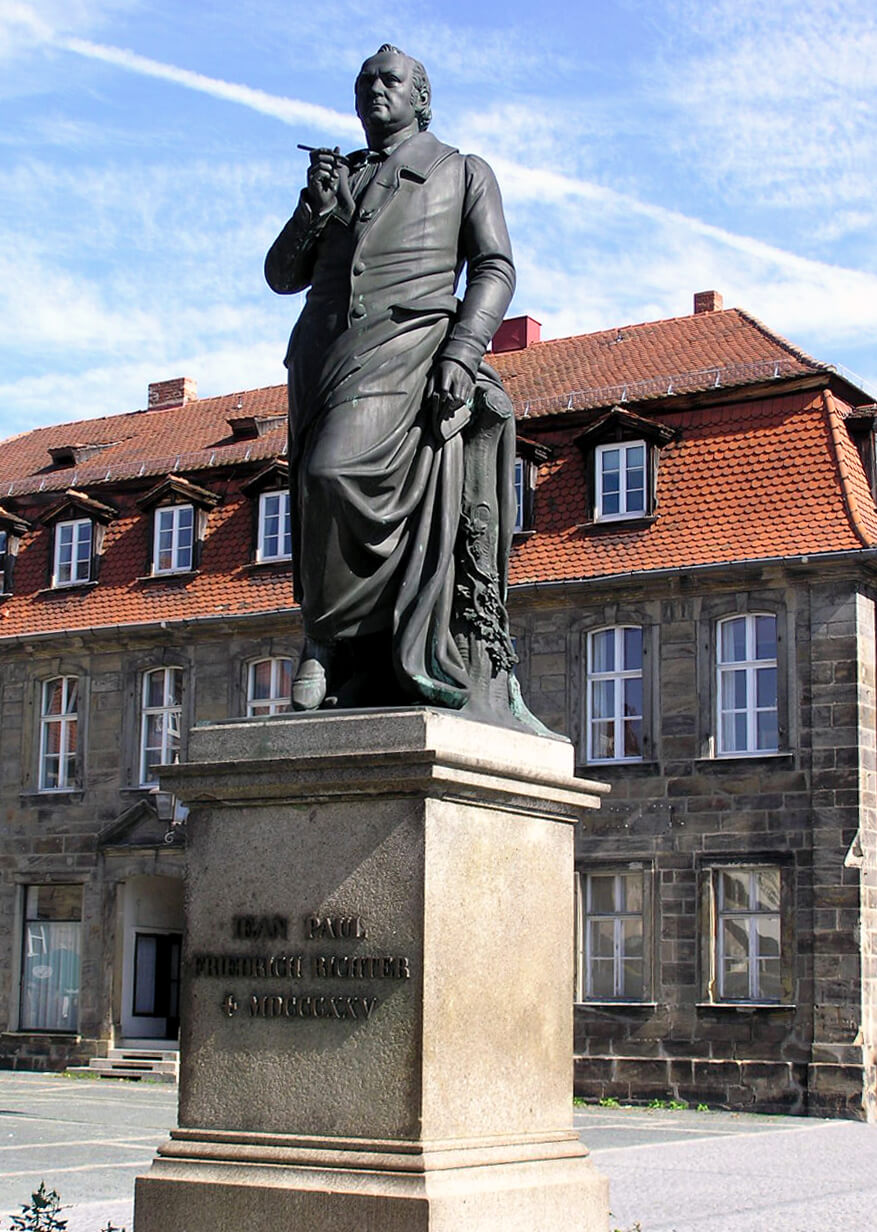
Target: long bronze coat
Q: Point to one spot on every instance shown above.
(377, 492)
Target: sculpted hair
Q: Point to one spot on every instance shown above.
(421, 93)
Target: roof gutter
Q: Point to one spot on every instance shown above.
(867, 556)
(146, 627)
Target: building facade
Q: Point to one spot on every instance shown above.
(692, 597)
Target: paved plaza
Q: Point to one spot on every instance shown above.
(670, 1171)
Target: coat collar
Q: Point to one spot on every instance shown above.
(419, 156)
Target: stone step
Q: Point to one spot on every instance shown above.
(101, 1067)
(144, 1054)
(158, 1064)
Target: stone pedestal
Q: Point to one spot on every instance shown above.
(378, 981)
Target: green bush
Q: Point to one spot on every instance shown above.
(41, 1214)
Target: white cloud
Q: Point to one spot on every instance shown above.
(815, 295)
(288, 110)
(113, 388)
(776, 100)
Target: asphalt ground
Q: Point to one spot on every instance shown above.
(669, 1171)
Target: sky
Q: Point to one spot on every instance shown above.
(646, 149)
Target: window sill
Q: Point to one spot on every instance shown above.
(66, 588)
(593, 769)
(525, 532)
(616, 1005)
(638, 522)
(43, 1033)
(747, 1007)
(728, 762)
(283, 563)
(180, 575)
(67, 795)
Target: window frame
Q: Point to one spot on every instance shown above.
(751, 665)
(167, 709)
(584, 916)
(176, 511)
(617, 676)
(263, 556)
(712, 945)
(624, 513)
(69, 760)
(27, 919)
(278, 702)
(520, 481)
(76, 557)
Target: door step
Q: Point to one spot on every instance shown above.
(158, 1064)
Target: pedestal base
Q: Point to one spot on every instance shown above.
(377, 982)
(209, 1186)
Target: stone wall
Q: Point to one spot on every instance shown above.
(809, 811)
(56, 836)
(682, 811)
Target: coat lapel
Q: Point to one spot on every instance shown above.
(417, 157)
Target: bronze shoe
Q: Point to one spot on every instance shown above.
(310, 684)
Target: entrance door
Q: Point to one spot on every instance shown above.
(156, 994)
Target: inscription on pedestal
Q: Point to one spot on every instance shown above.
(304, 964)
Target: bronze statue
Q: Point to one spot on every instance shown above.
(402, 439)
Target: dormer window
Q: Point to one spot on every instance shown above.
(269, 490)
(520, 490)
(621, 452)
(620, 472)
(528, 456)
(179, 523)
(275, 533)
(11, 530)
(77, 525)
(174, 539)
(73, 552)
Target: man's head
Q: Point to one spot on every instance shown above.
(392, 94)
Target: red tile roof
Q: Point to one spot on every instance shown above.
(763, 477)
(744, 481)
(188, 438)
(639, 362)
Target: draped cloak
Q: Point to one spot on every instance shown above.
(377, 492)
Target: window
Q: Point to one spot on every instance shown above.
(269, 686)
(174, 538)
(161, 720)
(275, 535)
(747, 685)
(11, 530)
(59, 734)
(73, 549)
(50, 958)
(615, 694)
(747, 955)
(611, 964)
(179, 511)
(520, 493)
(621, 480)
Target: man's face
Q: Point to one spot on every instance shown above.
(384, 91)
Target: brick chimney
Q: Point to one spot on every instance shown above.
(707, 301)
(176, 392)
(516, 334)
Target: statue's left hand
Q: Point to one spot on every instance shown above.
(449, 393)
(451, 384)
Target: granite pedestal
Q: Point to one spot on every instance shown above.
(377, 984)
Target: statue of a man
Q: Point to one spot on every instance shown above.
(401, 438)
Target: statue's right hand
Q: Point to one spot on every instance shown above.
(323, 173)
